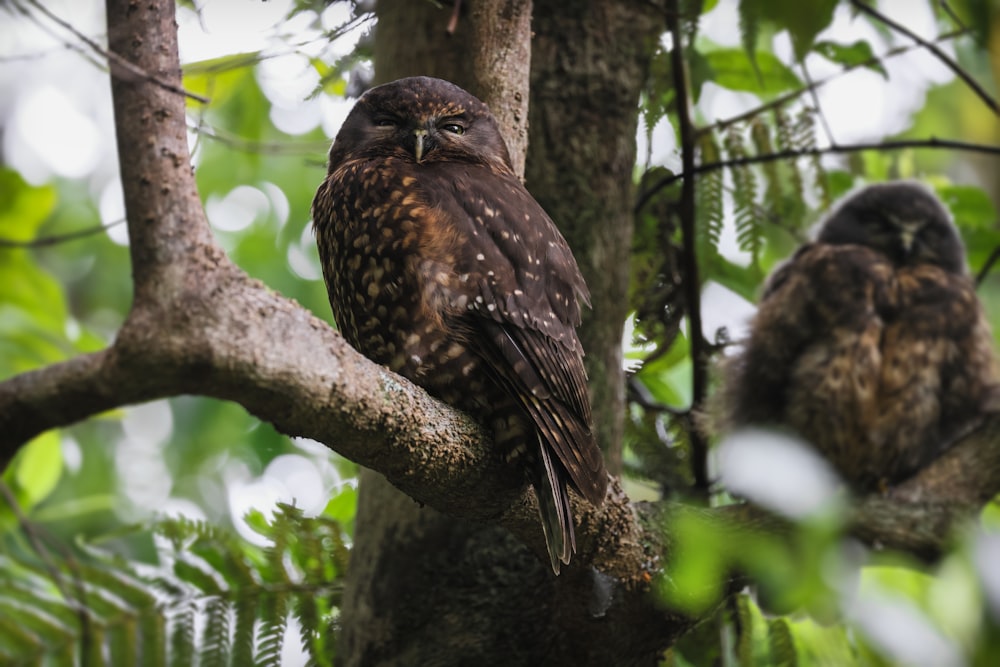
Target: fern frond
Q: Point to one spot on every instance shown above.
(787, 141)
(805, 139)
(782, 645)
(708, 200)
(215, 642)
(246, 615)
(182, 636)
(744, 623)
(272, 630)
(749, 230)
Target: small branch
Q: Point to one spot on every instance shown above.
(119, 66)
(55, 239)
(901, 144)
(988, 266)
(941, 55)
(692, 281)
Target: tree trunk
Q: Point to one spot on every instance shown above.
(425, 588)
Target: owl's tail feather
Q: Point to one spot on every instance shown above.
(554, 509)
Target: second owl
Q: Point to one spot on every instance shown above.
(870, 342)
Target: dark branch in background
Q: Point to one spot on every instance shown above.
(901, 144)
(941, 55)
(795, 94)
(55, 239)
(115, 61)
(692, 281)
(988, 266)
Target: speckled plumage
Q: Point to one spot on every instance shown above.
(441, 266)
(870, 342)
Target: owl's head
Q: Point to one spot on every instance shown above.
(903, 220)
(422, 120)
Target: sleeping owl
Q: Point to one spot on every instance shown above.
(870, 342)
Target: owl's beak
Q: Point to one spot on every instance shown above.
(907, 234)
(419, 136)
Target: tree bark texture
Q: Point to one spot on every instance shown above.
(589, 64)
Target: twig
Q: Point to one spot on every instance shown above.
(901, 144)
(692, 282)
(988, 266)
(941, 55)
(55, 239)
(115, 60)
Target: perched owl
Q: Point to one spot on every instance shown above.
(870, 342)
(442, 267)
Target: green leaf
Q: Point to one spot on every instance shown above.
(36, 469)
(23, 207)
(803, 20)
(858, 54)
(971, 207)
(732, 69)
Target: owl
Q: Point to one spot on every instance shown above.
(870, 342)
(441, 266)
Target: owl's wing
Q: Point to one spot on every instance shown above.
(525, 292)
(822, 292)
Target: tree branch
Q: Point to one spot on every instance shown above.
(902, 144)
(692, 282)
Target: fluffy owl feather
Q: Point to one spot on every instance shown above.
(870, 342)
(440, 265)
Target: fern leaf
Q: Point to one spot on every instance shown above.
(744, 640)
(787, 142)
(749, 231)
(708, 201)
(246, 614)
(153, 633)
(182, 637)
(272, 632)
(779, 636)
(215, 645)
(805, 139)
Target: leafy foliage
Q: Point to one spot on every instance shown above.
(209, 594)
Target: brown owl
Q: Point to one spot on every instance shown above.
(870, 342)
(442, 267)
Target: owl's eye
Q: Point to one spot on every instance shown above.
(385, 122)
(454, 128)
